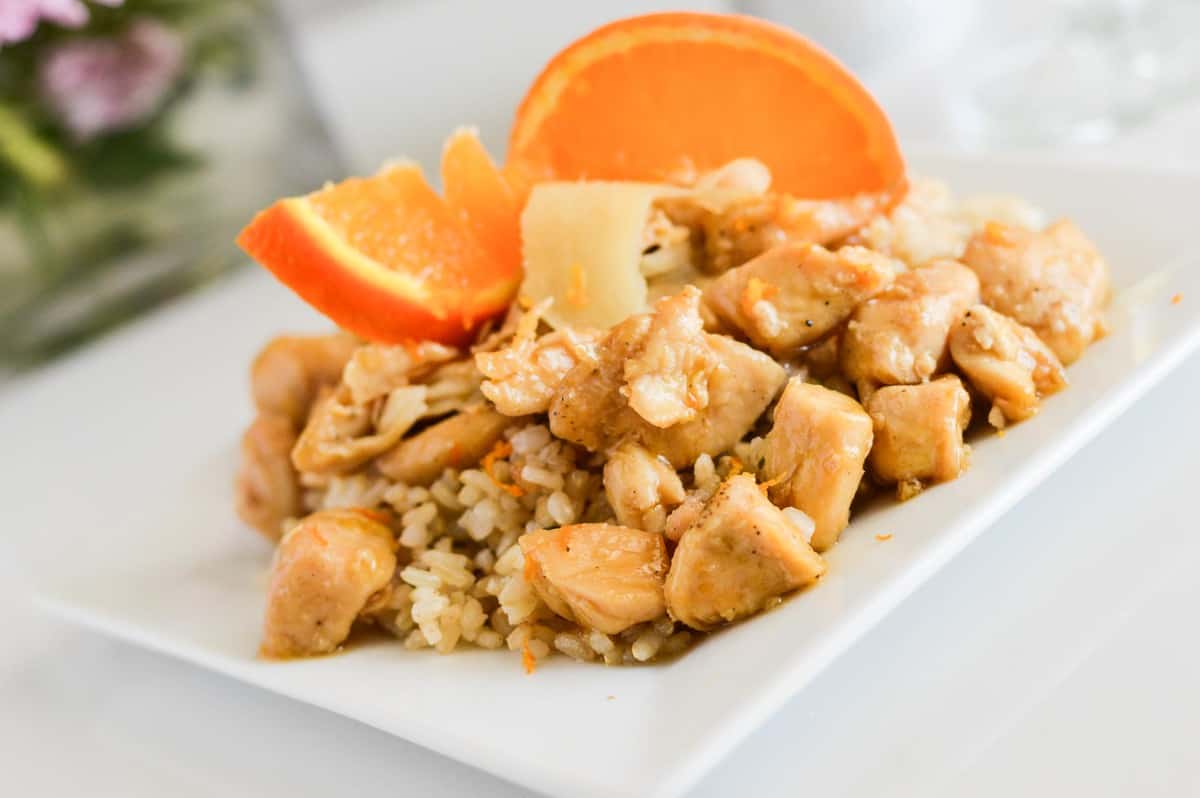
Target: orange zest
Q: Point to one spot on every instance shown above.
(577, 291)
(770, 483)
(756, 291)
(651, 96)
(501, 450)
(372, 514)
(1176, 299)
(527, 659)
(531, 570)
(386, 258)
(882, 536)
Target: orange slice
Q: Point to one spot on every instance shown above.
(476, 189)
(649, 97)
(384, 257)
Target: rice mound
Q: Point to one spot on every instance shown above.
(464, 581)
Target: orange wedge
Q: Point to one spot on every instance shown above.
(483, 198)
(385, 257)
(649, 97)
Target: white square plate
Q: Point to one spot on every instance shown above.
(120, 462)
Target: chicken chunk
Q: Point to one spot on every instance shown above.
(925, 226)
(793, 295)
(734, 230)
(919, 433)
(327, 569)
(821, 361)
(661, 381)
(1053, 281)
(290, 371)
(267, 491)
(641, 488)
(523, 377)
(898, 337)
(375, 370)
(741, 552)
(666, 376)
(1006, 362)
(683, 516)
(601, 576)
(342, 434)
(814, 455)
(459, 441)
(979, 209)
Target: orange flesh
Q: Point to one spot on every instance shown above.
(476, 190)
(649, 96)
(397, 220)
(384, 257)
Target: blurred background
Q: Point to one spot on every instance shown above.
(137, 137)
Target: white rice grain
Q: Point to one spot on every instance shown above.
(419, 578)
(601, 643)
(489, 639)
(414, 536)
(420, 515)
(572, 646)
(535, 475)
(530, 439)
(561, 508)
(646, 646)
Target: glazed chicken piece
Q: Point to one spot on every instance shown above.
(667, 247)
(267, 491)
(741, 176)
(684, 516)
(290, 371)
(814, 456)
(661, 381)
(459, 441)
(821, 361)
(666, 375)
(919, 433)
(741, 552)
(1006, 362)
(342, 434)
(925, 226)
(979, 209)
(793, 295)
(372, 407)
(524, 376)
(329, 569)
(898, 337)
(1053, 281)
(641, 488)
(736, 227)
(375, 370)
(740, 385)
(601, 576)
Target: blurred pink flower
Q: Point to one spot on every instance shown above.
(100, 85)
(20, 18)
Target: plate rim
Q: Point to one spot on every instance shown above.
(680, 774)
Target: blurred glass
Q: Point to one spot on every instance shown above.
(132, 149)
(1017, 74)
(1082, 71)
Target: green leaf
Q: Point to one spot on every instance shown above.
(28, 155)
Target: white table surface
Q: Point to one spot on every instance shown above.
(1058, 655)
